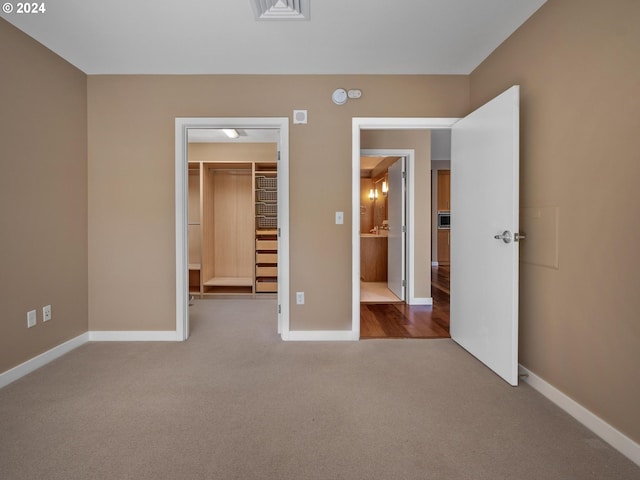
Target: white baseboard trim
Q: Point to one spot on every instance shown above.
(133, 336)
(320, 335)
(421, 301)
(609, 434)
(41, 360)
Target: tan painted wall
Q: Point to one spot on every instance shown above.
(420, 142)
(131, 181)
(578, 64)
(43, 197)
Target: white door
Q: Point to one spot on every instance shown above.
(396, 217)
(484, 204)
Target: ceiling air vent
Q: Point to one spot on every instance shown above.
(281, 9)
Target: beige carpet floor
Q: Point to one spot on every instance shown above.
(234, 402)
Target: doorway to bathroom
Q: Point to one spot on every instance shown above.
(382, 227)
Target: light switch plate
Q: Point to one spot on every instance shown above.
(339, 218)
(31, 318)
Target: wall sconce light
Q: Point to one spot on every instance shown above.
(373, 194)
(385, 187)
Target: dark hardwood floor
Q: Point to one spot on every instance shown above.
(399, 320)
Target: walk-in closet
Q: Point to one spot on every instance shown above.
(232, 219)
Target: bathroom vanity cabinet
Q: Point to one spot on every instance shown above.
(373, 258)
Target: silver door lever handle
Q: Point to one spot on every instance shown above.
(506, 236)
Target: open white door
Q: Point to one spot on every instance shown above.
(484, 204)
(396, 240)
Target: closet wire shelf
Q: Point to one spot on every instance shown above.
(266, 222)
(267, 209)
(266, 195)
(266, 183)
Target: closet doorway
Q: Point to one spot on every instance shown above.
(231, 213)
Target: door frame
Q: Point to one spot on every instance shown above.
(384, 123)
(408, 201)
(182, 125)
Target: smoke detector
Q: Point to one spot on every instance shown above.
(281, 9)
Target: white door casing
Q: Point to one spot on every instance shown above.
(485, 203)
(182, 126)
(395, 123)
(410, 242)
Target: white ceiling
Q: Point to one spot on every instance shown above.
(223, 36)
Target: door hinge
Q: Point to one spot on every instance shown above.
(404, 283)
(404, 229)
(278, 232)
(278, 154)
(279, 309)
(404, 175)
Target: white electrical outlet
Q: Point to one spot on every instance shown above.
(31, 318)
(300, 298)
(46, 313)
(339, 218)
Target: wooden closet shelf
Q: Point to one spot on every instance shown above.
(229, 282)
(267, 232)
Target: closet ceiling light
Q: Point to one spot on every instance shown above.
(231, 132)
(281, 9)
